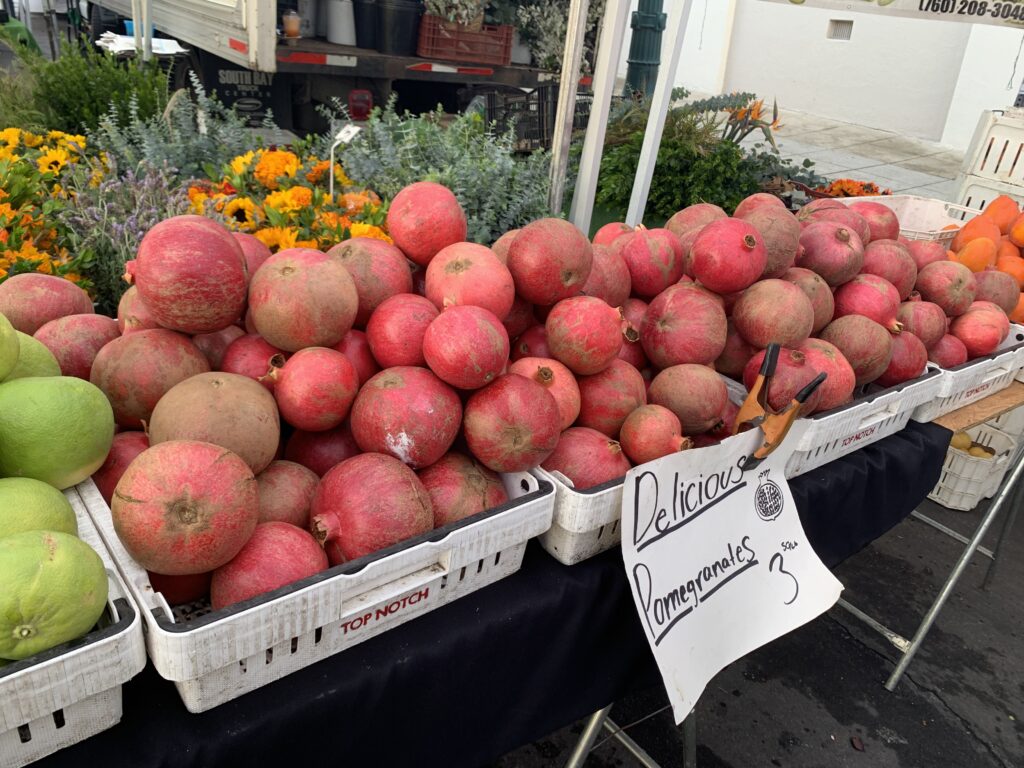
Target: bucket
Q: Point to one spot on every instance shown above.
(366, 23)
(398, 26)
(341, 24)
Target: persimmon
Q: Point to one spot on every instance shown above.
(977, 254)
(1006, 248)
(1017, 231)
(1013, 266)
(978, 227)
(1017, 316)
(1003, 210)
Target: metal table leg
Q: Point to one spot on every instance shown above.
(1011, 518)
(587, 738)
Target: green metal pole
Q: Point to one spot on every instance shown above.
(645, 47)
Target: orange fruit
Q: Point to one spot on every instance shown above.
(1017, 316)
(1007, 249)
(1017, 231)
(1003, 210)
(1013, 266)
(978, 227)
(950, 226)
(977, 254)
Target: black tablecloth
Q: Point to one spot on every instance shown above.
(496, 669)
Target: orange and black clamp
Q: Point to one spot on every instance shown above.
(756, 412)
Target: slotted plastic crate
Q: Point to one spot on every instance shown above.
(67, 694)
(216, 656)
(451, 42)
(966, 479)
(922, 218)
(994, 161)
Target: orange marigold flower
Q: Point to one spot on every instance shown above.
(275, 164)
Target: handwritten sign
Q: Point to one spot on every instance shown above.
(717, 560)
(1003, 13)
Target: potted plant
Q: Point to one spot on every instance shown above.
(468, 14)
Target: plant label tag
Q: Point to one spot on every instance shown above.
(717, 559)
(346, 134)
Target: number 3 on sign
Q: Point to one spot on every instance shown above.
(776, 564)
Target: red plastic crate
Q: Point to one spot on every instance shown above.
(450, 42)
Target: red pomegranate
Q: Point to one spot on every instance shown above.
(533, 342)
(519, 318)
(315, 388)
(355, 345)
(502, 244)
(608, 397)
(588, 458)
(817, 205)
(909, 358)
(891, 260)
(550, 260)
(686, 248)
(652, 259)
(781, 233)
(981, 328)
(728, 255)
(321, 451)
(286, 492)
(607, 234)
(995, 286)
(30, 300)
(557, 380)
(378, 271)
(757, 201)
(882, 221)
(133, 314)
(609, 277)
(466, 273)
(872, 296)
(818, 291)
(396, 330)
(684, 324)
(844, 217)
(948, 352)
(254, 252)
(694, 393)
(408, 413)
(726, 421)
(126, 446)
(185, 507)
(368, 503)
(735, 355)
(650, 432)
(838, 387)
(865, 344)
(75, 340)
(136, 370)
(460, 487)
(694, 217)
(179, 590)
(925, 252)
(213, 345)
(276, 555)
(303, 298)
(833, 251)
(792, 373)
(925, 320)
(252, 356)
(584, 334)
(191, 273)
(466, 346)
(423, 218)
(949, 284)
(632, 350)
(512, 424)
(773, 310)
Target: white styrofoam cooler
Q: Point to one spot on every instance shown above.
(216, 656)
(976, 379)
(69, 693)
(922, 218)
(966, 479)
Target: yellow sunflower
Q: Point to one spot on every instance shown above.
(240, 164)
(274, 165)
(10, 136)
(358, 229)
(241, 212)
(277, 238)
(52, 160)
(280, 201)
(7, 152)
(31, 139)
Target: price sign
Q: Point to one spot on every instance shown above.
(1004, 13)
(717, 560)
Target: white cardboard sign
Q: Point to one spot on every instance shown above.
(717, 560)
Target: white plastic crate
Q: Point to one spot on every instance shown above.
(976, 379)
(585, 523)
(69, 693)
(966, 479)
(922, 218)
(216, 656)
(994, 161)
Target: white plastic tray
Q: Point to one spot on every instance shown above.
(216, 656)
(922, 218)
(976, 379)
(69, 693)
(966, 479)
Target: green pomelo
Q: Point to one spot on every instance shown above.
(32, 505)
(55, 589)
(34, 359)
(9, 347)
(57, 429)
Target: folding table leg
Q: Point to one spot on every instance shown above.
(1011, 518)
(587, 738)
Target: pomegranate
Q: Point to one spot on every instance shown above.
(133, 314)
(460, 487)
(423, 218)
(588, 458)
(408, 413)
(378, 271)
(684, 324)
(75, 340)
(213, 345)
(286, 491)
(831, 250)
(30, 300)
(396, 330)
(792, 373)
(135, 371)
(948, 352)
(757, 201)
(949, 284)
(607, 234)
(609, 277)
(981, 328)
(650, 432)
(773, 310)
(728, 255)
(355, 345)
(652, 259)
(781, 233)
(995, 286)
(844, 217)
(466, 346)
(559, 382)
(179, 590)
(818, 291)
(519, 318)
(225, 409)
(608, 397)
(909, 358)
(824, 357)
(925, 320)
(694, 393)
(251, 356)
(185, 507)
(303, 298)
(533, 342)
(686, 248)
(502, 244)
(276, 555)
(584, 334)
(882, 221)
(250, 326)
(632, 350)
(550, 260)
(872, 296)
(315, 388)
(466, 273)
(865, 344)
(726, 421)
(817, 205)
(735, 355)
(925, 252)
(891, 260)
(191, 273)
(512, 424)
(367, 503)
(254, 252)
(320, 451)
(126, 446)
(694, 217)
